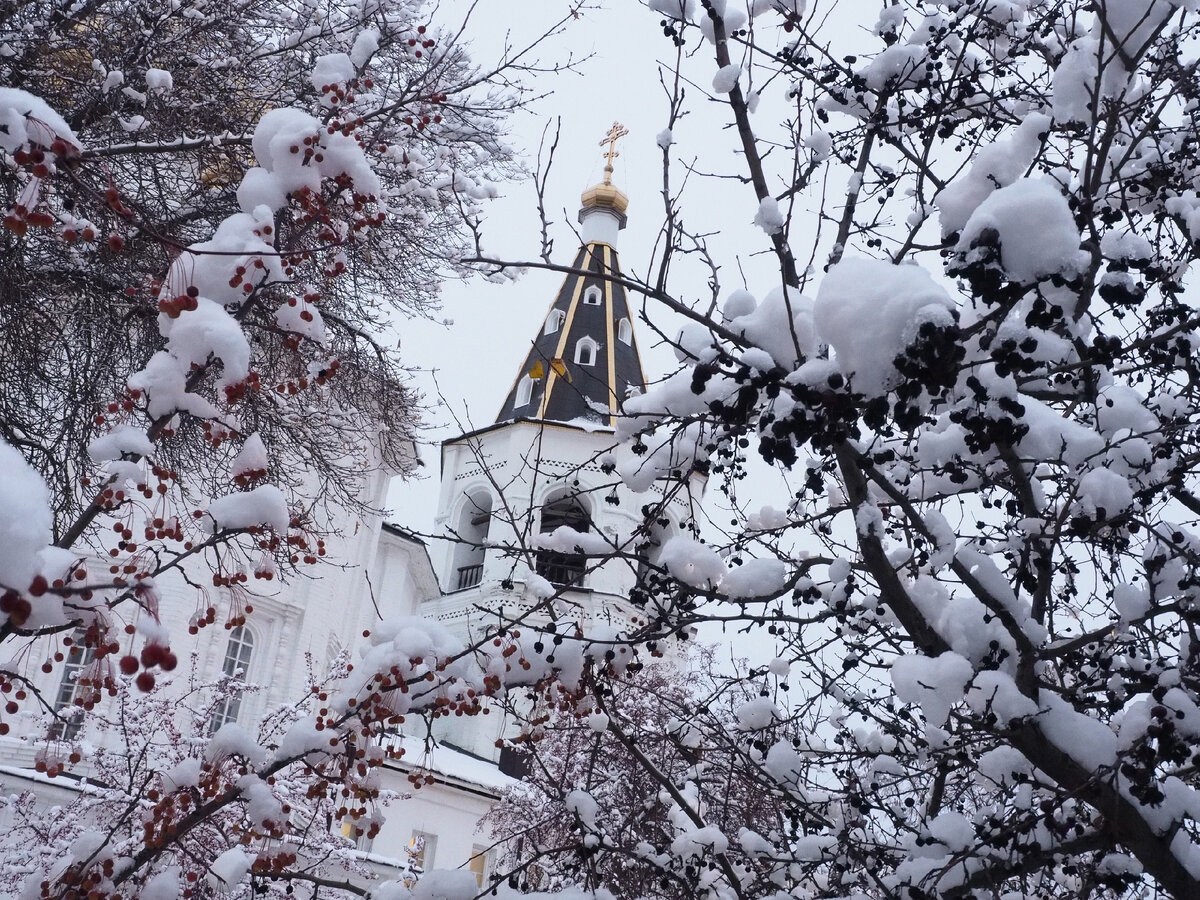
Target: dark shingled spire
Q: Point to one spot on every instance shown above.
(584, 359)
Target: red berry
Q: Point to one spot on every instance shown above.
(151, 655)
(145, 681)
(129, 664)
(116, 243)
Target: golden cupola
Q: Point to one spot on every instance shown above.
(602, 213)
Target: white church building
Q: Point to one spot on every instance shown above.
(536, 468)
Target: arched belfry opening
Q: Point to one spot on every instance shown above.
(471, 530)
(563, 507)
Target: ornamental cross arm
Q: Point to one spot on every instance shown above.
(614, 134)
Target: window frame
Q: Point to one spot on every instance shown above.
(625, 331)
(554, 321)
(593, 296)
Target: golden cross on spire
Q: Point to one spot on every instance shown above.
(615, 133)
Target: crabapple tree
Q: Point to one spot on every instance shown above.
(972, 372)
(212, 215)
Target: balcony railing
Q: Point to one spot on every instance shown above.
(469, 576)
(561, 568)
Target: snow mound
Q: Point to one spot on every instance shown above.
(869, 311)
(1034, 228)
(25, 520)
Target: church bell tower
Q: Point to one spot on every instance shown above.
(508, 487)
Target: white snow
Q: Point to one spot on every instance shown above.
(769, 216)
(757, 714)
(228, 869)
(264, 505)
(1102, 491)
(1131, 601)
(869, 311)
(365, 46)
(821, 145)
(163, 886)
(331, 69)
(899, 66)
(159, 81)
(120, 440)
(933, 683)
(674, 9)
(782, 324)
(251, 458)
(1035, 228)
(165, 385)
(26, 119)
(692, 562)
(231, 739)
(997, 164)
(726, 78)
(755, 578)
(565, 539)
(25, 519)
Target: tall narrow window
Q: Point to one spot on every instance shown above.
(592, 296)
(565, 569)
(471, 530)
(478, 864)
(237, 661)
(421, 849)
(624, 332)
(585, 352)
(70, 720)
(554, 321)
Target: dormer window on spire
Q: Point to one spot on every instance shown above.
(585, 351)
(592, 296)
(554, 321)
(524, 391)
(624, 332)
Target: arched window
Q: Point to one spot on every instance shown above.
(585, 352)
(474, 523)
(524, 391)
(592, 296)
(554, 321)
(563, 508)
(624, 332)
(237, 662)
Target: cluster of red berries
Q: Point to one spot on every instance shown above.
(19, 219)
(172, 307)
(10, 706)
(240, 273)
(16, 607)
(238, 390)
(152, 655)
(304, 551)
(71, 234)
(200, 619)
(423, 42)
